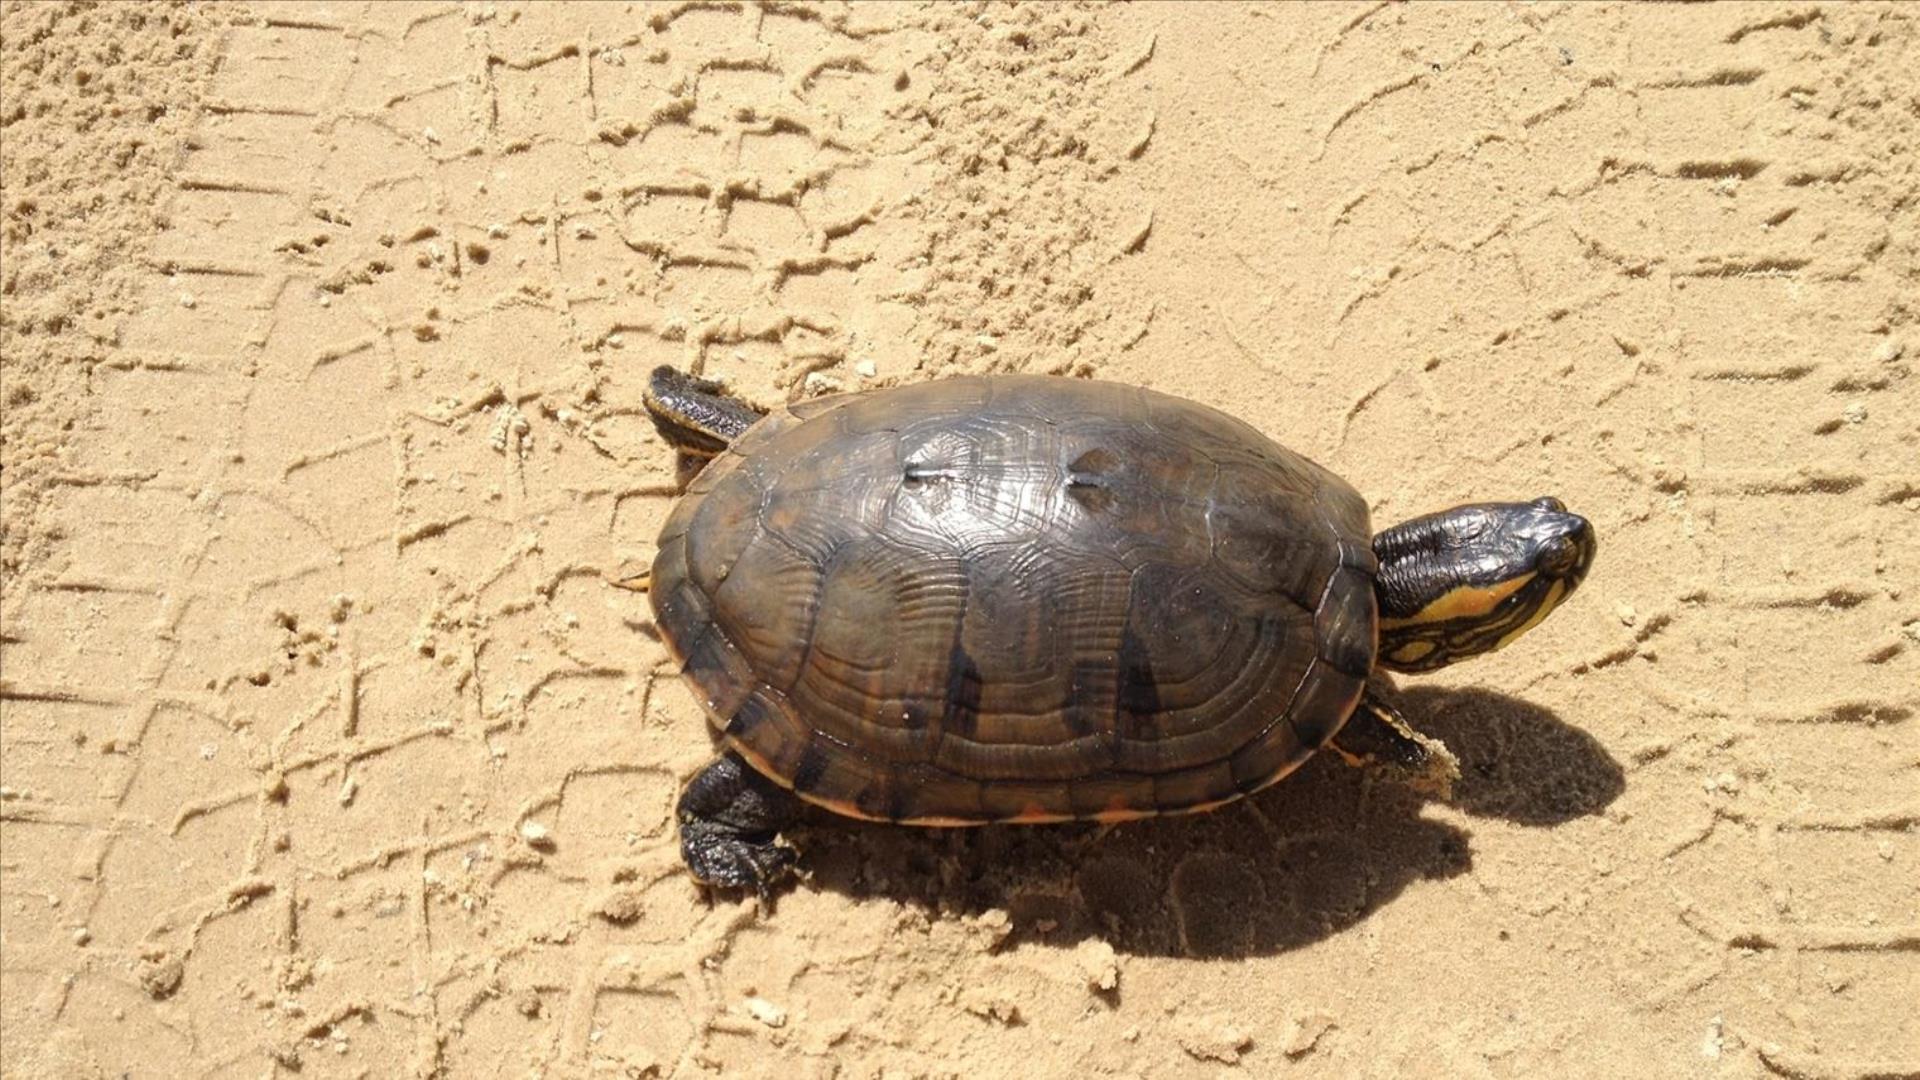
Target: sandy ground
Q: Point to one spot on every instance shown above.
(329, 749)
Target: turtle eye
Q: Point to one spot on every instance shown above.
(1548, 502)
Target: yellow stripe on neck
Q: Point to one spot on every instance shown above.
(1467, 602)
(1555, 594)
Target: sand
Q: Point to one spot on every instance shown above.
(330, 749)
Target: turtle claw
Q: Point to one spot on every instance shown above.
(737, 862)
(1376, 734)
(638, 582)
(730, 821)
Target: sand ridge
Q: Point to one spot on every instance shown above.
(329, 746)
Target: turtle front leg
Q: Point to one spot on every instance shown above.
(695, 415)
(1376, 734)
(730, 817)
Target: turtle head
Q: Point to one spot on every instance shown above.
(1471, 579)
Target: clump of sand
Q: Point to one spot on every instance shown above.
(97, 104)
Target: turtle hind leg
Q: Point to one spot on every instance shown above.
(730, 817)
(1376, 734)
(695, 415)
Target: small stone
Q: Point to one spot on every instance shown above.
(1305, 1033)
(995, 1007)
(866, 369)
(535, 834)
(1213, 1038)
(989, 930)
(1628, 616)
(162, 976)
(348, 788)
(766, 1012)
(621, 906)
(82, 935)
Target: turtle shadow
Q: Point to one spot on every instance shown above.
(1518, 761)
(1295, 864)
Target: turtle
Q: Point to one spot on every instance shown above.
(1034, 599)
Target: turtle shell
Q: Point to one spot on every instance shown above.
(1018, 598)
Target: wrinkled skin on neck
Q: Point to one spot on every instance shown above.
(1472, 579)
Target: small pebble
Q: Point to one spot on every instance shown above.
(767, 1012)
(1305, 1033)
(1212, 1038)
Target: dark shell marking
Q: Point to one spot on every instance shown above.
(1018, 599)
